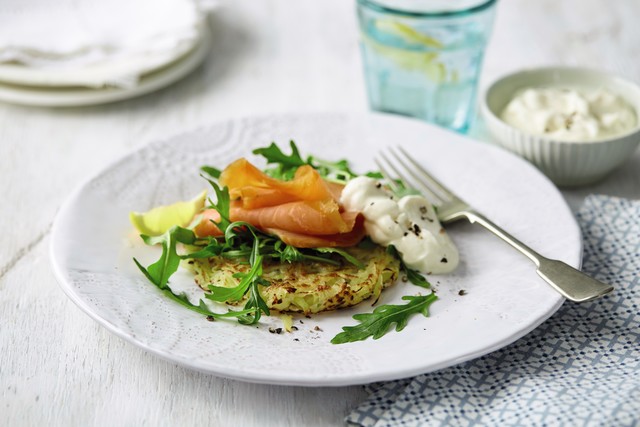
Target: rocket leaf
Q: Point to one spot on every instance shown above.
(383, 318)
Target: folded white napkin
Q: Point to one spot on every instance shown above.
(93, 42)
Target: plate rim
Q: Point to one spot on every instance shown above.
(311, 381)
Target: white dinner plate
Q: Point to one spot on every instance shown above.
(161, 76)
(93, 245)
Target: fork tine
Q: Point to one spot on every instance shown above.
(430, 194)
(425, 176)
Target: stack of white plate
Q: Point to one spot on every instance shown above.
(85, 52)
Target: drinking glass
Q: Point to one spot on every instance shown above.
(423, 58)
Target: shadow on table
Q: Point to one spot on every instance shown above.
(623, 182)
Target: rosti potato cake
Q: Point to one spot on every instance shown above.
(307, 287)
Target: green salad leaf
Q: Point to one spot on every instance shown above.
(333, 171)
(274, 154)
(222, 204)
(413, 276)
(159, 272)
(286, 164)
(250, 281)
(213, 172)
(346, 255)
(383, 318)
(255, 300)
(380, 321)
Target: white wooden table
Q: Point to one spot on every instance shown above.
(57, 366)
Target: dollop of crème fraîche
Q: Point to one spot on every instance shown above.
(410, 224)
(570, 115)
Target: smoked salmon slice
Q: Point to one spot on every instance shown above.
(255, 189)
(303, 212)
(321, 217)
(341, 240)
(297, 217)
(300, 240)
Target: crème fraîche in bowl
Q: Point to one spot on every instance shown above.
(576, 125)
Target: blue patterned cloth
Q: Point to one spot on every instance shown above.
(580, 368)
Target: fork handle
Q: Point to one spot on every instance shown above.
(571, 283)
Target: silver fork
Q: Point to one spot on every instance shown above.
(571, 283)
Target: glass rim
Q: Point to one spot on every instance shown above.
(372, 4)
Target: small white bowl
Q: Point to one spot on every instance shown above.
(566, 163)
